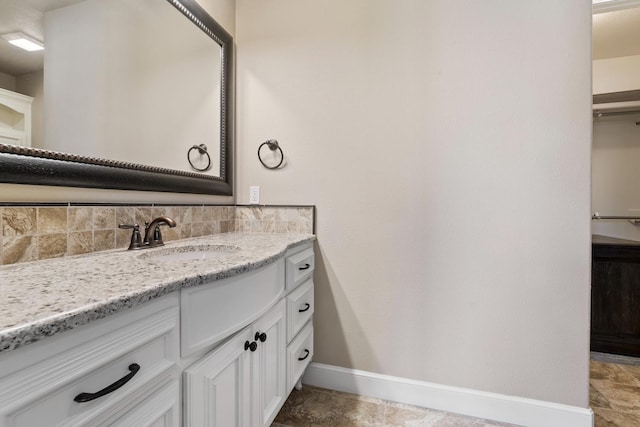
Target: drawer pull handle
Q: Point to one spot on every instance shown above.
(305, 356)
(260, 336)
(306, 307)
(253, 346)
(86, 397)
(306, 267)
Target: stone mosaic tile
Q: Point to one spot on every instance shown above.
(52, 245)
(261, 219)
(80, 219)
(104, 218)
(143, 215)
(102, 221)
(19, 249)
(19, 221)
(79, 242)
(52, 220)
(125, 215)
(196, 214)
(104, 240)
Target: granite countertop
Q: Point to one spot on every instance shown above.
(42, 298)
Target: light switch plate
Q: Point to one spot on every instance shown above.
(254, 195)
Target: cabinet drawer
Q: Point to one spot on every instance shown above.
(299, 308)
(45, 392)
(212, 312)
(299, 268)
(162, 409)
(299, 354)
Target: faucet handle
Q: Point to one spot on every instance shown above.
(157, 237)
(136, 237)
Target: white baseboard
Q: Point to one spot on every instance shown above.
(492, 406)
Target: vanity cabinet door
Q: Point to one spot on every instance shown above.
(242, 382)
(217, 389)
(269, 365)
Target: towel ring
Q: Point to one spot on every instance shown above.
(202, 149)
(273, 146)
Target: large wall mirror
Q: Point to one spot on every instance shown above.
(125, 94)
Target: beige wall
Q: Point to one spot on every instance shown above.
(148, 102)
(616, 74)
(615, 174)
(32, 84)
(446, 145)
(7, 82)
(223, 11)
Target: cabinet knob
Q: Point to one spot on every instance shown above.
(260, 336)
(253, 346)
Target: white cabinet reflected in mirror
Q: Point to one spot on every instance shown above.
(15, 118)
(126, 85)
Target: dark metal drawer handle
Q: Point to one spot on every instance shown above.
(261, 336)
(306, 267)
(305, 356)
(253, 346)
(86, 397)
(306, 307)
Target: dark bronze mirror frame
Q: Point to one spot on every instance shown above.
(26, 165)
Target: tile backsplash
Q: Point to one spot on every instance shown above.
(31, 233)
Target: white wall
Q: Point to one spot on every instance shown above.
(224, 12)
(446, 145)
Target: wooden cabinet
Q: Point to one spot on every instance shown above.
(242, 382)
(615, 296)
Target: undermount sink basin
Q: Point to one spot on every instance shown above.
(191, 253)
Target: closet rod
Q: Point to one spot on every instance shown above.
(630, 218)
(597, 113)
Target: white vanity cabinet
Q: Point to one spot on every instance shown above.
(226, 353)
(15, 118)
(246, 380)
(300, 307)
(242, 382)
(58, 381)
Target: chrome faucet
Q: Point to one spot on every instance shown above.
(152, 235)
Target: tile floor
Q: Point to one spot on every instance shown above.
(614, 397)
(614, 391)
(317, 407)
